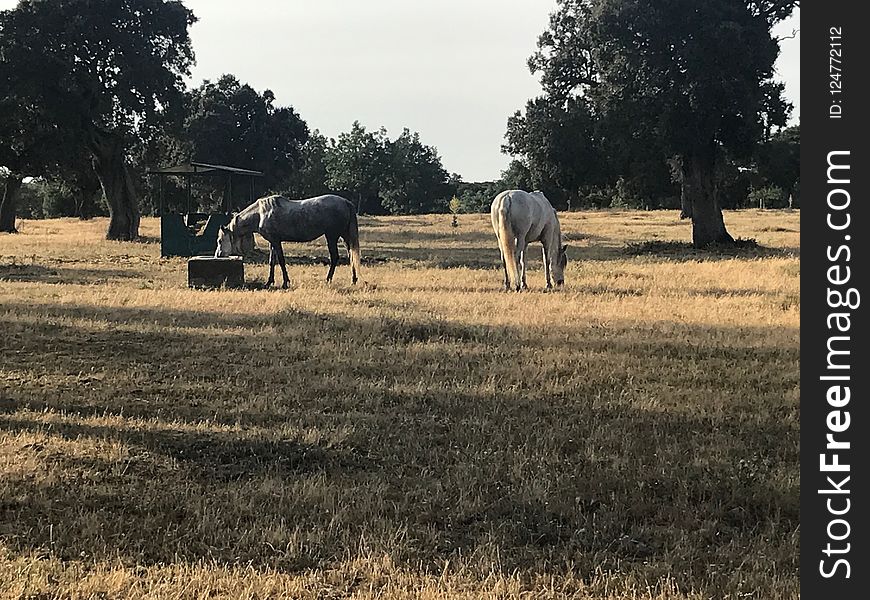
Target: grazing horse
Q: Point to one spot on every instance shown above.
(520, 218)
(278, 219)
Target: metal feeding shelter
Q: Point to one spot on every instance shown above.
(194, 233)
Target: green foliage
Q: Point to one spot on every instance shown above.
(556, 139)
(401, 176)
(455, 206)
(101, 73)
(30, 201)
(779, 159)
(769, 196)
(733, 184)
(691, 73)
(312, 176)
(478, 196)
(598, 196)
(229, 123)
(355, 165)
(518, 176)
(631, 83)
(626, 196)
(47, 198)
(414, 181)
(105, 65)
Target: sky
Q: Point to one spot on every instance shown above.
(452, 70)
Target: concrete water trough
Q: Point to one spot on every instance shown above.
(211, 272)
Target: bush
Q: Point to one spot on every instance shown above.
(30, 201)
(769, 196)
(625, 197)
(598, 197)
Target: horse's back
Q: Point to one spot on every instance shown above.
(280, 202)
(524, 211)
(307, 219)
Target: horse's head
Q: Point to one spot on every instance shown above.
(558, 262)
(227, 242)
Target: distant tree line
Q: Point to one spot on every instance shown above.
(646, 105)
(93, 94)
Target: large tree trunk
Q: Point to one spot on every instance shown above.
(9, 203)
(676, 165)
(700, 192)
(110, 166)
(685, 204)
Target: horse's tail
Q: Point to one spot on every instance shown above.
(352, 241)
(507, 242)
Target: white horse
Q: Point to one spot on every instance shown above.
(520, 218)
(278, 219)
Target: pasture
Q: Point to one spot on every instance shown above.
(422, 434)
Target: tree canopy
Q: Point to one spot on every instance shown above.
(101, 71)
(229, 123)
(693, 77)
(415, 182)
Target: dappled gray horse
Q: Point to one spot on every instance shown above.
(518, 219)
(278, 219)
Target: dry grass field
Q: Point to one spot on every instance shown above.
(421, 435)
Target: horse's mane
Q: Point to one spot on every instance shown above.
(243, 217)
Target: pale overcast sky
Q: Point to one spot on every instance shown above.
(453, 70)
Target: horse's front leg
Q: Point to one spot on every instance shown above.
(273, 257)
(547, 270)
(280, 251)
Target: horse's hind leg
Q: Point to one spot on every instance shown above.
(520, 257)
(507, 279)
(332, 243)
(353, 275)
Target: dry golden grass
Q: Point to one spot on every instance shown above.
(423, 435)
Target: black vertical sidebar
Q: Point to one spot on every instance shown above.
(835, 227)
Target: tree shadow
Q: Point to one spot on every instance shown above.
(684, 251)
(35, 273)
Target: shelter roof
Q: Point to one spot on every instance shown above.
(198, 168)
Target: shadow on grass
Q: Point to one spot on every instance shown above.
(296, 255)
(479, 250)
(426, 472)
(684, 251)
(209, 456)
(34, 273)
